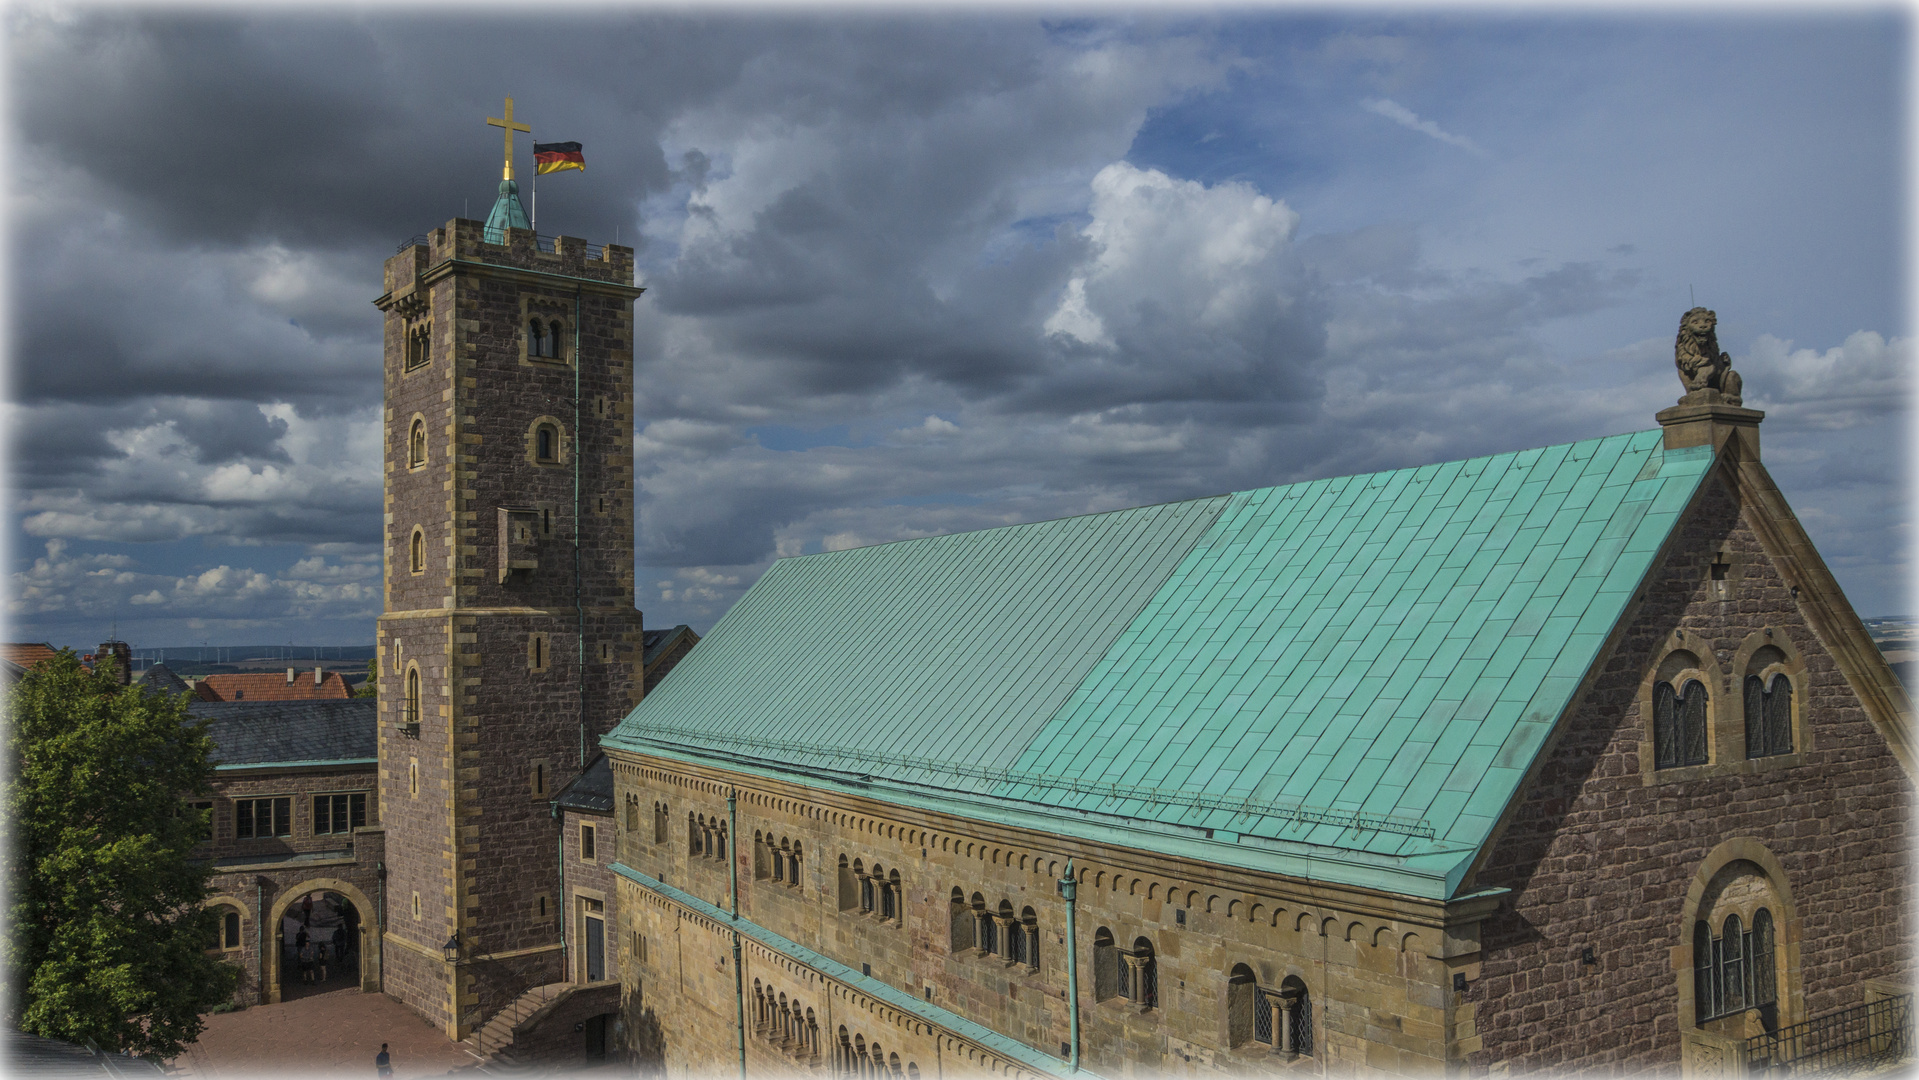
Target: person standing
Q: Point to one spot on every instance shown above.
(383, 1062)
(306, 962)
(306, 910)
(319, 958)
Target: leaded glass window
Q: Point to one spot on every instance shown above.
(1679, 725)
(1768, 716)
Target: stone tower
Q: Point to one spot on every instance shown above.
(509, 641)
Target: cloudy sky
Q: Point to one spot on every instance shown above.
(914, 273)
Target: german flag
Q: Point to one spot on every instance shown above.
(555, 156)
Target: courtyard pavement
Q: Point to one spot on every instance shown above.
(335, 1033)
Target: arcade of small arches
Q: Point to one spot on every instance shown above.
(1125, 974)
(874, 891)
(776, 860)
(993, 931)
(857, 1058)
(705, 837)
(784, 1025)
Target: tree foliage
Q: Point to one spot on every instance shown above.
(371, 688)
(106, 938)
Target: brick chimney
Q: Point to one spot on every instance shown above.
(120, 655)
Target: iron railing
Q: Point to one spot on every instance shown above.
(417, 238)
(1850, 1040)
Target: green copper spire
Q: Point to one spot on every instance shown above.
(507, 213)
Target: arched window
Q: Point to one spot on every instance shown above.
(1106, 966)
(1012, 944)
(793, 866)
(1768, 716)
(417, 552)
(546, 443)
(633, 814)
(659, 823)
(1241, 989)
(692, 834)
(1765, 971)
(537, 342)
(985, 935)
(760, 868)
(849, 887)
(1732, 966)
(1029, 927)
(413, 696)
(416, 445)
(554, 334)
(890, 899)
(1145, 975)
(1679, 725)
(962, 921)
(1296, 1017)
(867, 898)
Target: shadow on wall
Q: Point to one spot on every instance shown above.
(645, 1042)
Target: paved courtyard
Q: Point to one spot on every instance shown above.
(335, 1033)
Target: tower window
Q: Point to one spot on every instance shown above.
(416, 341)
(538, 652)
(413, 700)
(416, 445)
(418, 554)
(545, 439)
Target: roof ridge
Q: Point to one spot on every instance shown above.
(1221, 495)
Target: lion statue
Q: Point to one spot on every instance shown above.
(1704, 371)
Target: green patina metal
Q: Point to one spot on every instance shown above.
(507, 213)
(1344, 679)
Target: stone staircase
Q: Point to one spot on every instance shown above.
(493, 1043)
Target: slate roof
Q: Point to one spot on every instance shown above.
(592, 791)
(1343, 679)
(655, 642)
(36, 1055)
(273, 686)
(246, 733)
(160, 679)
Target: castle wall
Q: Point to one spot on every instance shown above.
(1376, 967)
(1602, 851)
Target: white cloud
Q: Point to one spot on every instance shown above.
(1401, 115)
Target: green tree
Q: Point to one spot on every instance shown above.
(107, 938)
(370, 688)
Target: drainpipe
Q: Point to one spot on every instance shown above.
(733, 881)
(566, 914)
(1068, 889)
(579, 609)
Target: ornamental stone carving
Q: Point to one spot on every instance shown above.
(1704, 371)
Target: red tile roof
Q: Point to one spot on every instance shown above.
(272, 687)
(27, 653)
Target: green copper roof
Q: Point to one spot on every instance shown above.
(1344, 679)
(507, 214)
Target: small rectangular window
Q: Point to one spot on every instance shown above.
(257, 819)
(586, 843)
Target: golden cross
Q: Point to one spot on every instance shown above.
(510, 127)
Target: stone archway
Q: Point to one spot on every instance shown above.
(369, 935)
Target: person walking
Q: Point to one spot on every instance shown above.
(306, 962)
(383, 1062)
(306, 910)
(319, 958)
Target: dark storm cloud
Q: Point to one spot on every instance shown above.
(961, 263)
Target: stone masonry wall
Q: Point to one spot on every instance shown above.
(506, 704)
(1601, 853)
(1373, 969)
